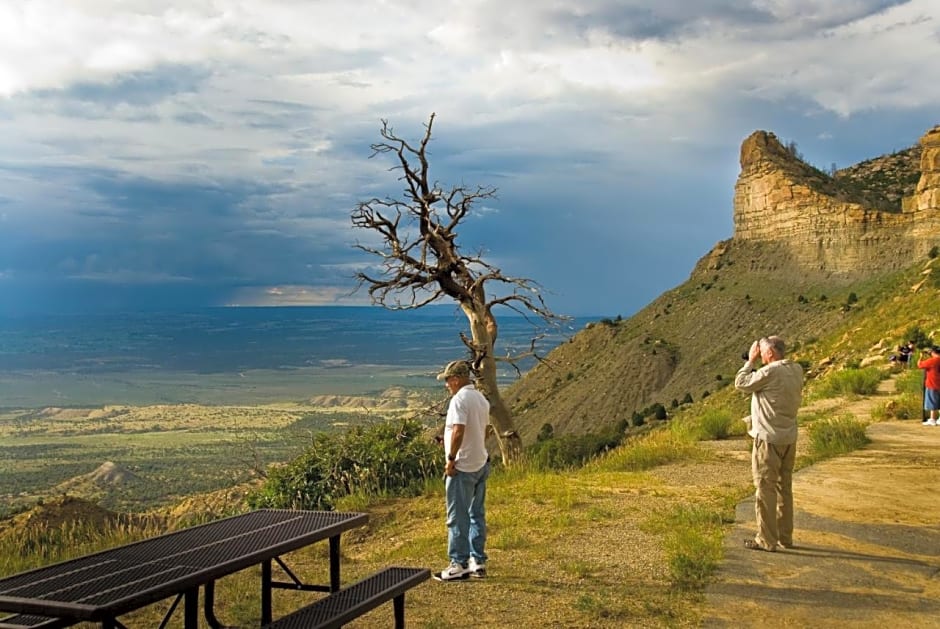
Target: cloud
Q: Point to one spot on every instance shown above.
(217, 148)
(285, 295)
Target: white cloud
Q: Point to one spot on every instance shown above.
(231, 137)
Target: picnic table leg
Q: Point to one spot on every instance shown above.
(334, 564)
(266, 592)
(191, 608)
(209, 607)
(399, 604)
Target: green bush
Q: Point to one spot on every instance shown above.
(920, 338)
(692, 541)
(835, 436)
(379, 459)
(569, 451)
(908, 403)
(903, 406)
(716, 424)
(852, 382)
(547, 432)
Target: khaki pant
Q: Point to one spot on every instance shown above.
(772, 469)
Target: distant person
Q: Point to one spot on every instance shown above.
(911, 350)
(931, 367)
(906, 353)
(465, 474)
(776, 393)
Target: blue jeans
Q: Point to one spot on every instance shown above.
(465, 494)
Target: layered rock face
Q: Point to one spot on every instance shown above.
(827, 226)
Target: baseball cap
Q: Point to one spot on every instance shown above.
(454, 368)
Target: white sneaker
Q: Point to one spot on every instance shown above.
(453, 572)
(477, 568)
(929, 422)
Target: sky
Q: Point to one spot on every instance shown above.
(173, 155)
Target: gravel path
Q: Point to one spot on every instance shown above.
(867, 542)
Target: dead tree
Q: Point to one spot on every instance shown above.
(422, 263)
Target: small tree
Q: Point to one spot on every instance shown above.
(546, 433)
(422, 263)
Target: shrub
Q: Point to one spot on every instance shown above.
(569, 451)
(835, 436)
(547, 432)
(852, 382)
(693, 547)
(903, 406)
(920, 338)
(908, 403)
(380, 459)
(716, 424)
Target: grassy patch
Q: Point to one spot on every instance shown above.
(838, 435)
(908, 403)
(851, 382)
(719, 424)
(648, 451)
(692, 540)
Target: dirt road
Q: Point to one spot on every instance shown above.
(867, 543)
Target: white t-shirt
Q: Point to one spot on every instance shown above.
(470, 408)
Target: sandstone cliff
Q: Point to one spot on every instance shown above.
(807, 246)
(830, 226)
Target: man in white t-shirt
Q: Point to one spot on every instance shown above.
(465, 474)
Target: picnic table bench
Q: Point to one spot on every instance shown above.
(335, 610)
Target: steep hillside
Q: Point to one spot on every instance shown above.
(687, 341)
(809, 260)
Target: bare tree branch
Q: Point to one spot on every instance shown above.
(419, 263)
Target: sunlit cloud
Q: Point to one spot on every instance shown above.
(295, 296)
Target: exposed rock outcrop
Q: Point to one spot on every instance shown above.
(829, 226)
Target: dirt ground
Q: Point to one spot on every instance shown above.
(867, 535)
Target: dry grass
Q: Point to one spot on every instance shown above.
(628, 540)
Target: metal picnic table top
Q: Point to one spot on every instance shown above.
(101, 586)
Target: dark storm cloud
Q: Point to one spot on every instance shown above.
(150, 232)
(133, 88)
(226, 163)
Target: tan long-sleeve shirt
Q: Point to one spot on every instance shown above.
(776, 394)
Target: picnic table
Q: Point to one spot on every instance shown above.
(103, 586)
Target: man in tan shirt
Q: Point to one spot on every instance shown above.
(776, 393)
